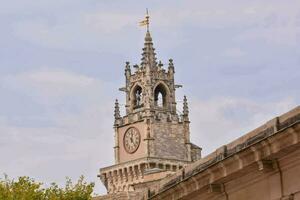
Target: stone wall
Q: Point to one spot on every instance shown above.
(169, 141)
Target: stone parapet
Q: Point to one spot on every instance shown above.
(159, 114)
(122, 177)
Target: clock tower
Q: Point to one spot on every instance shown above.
(151, 140)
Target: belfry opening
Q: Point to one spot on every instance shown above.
(160, 96)
(137, 95)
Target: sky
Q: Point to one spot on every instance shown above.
(62, 62)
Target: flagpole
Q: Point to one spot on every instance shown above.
(147, 19)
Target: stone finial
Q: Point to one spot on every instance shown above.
(160, 65)
(127, 69)
(171, 66)
(171, 62)
(185, 107)
(117, 110)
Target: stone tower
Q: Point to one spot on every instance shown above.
(151, 140)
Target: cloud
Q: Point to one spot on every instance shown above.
(107, 22)
(82, 31)
(279, 35)
(76, 144)
(278, 25)
(233, 52)
(217, 121)
(51, 85)
(51, 154)
(91, 28)
(73, 141)
(55, 77)
(29, 7)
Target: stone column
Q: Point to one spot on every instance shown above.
(109, 182)
(130, 174)
(125, 177)
(140, 172)
(135, 173)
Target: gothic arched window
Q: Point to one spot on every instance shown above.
(137, 97)
(160, 96)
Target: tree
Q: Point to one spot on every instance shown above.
(25, 188)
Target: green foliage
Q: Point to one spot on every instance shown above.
(27, 189)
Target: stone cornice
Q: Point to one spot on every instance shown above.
(142, 160)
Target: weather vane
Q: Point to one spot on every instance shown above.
(145, 22)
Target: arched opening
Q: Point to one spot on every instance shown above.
(159, 99)
(160, 96)
(137, 96)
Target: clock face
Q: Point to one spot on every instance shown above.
(132, 139)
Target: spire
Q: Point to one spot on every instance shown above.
(185, 107)
(148, 55)
(117, 110)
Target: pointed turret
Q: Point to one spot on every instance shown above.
(160, 65)
(171, 67)
(117, 112)
(171, 70)
(127, 72)
(127, 69)
(148, 55)
(185, 109)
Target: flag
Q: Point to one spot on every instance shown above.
(144, 22)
